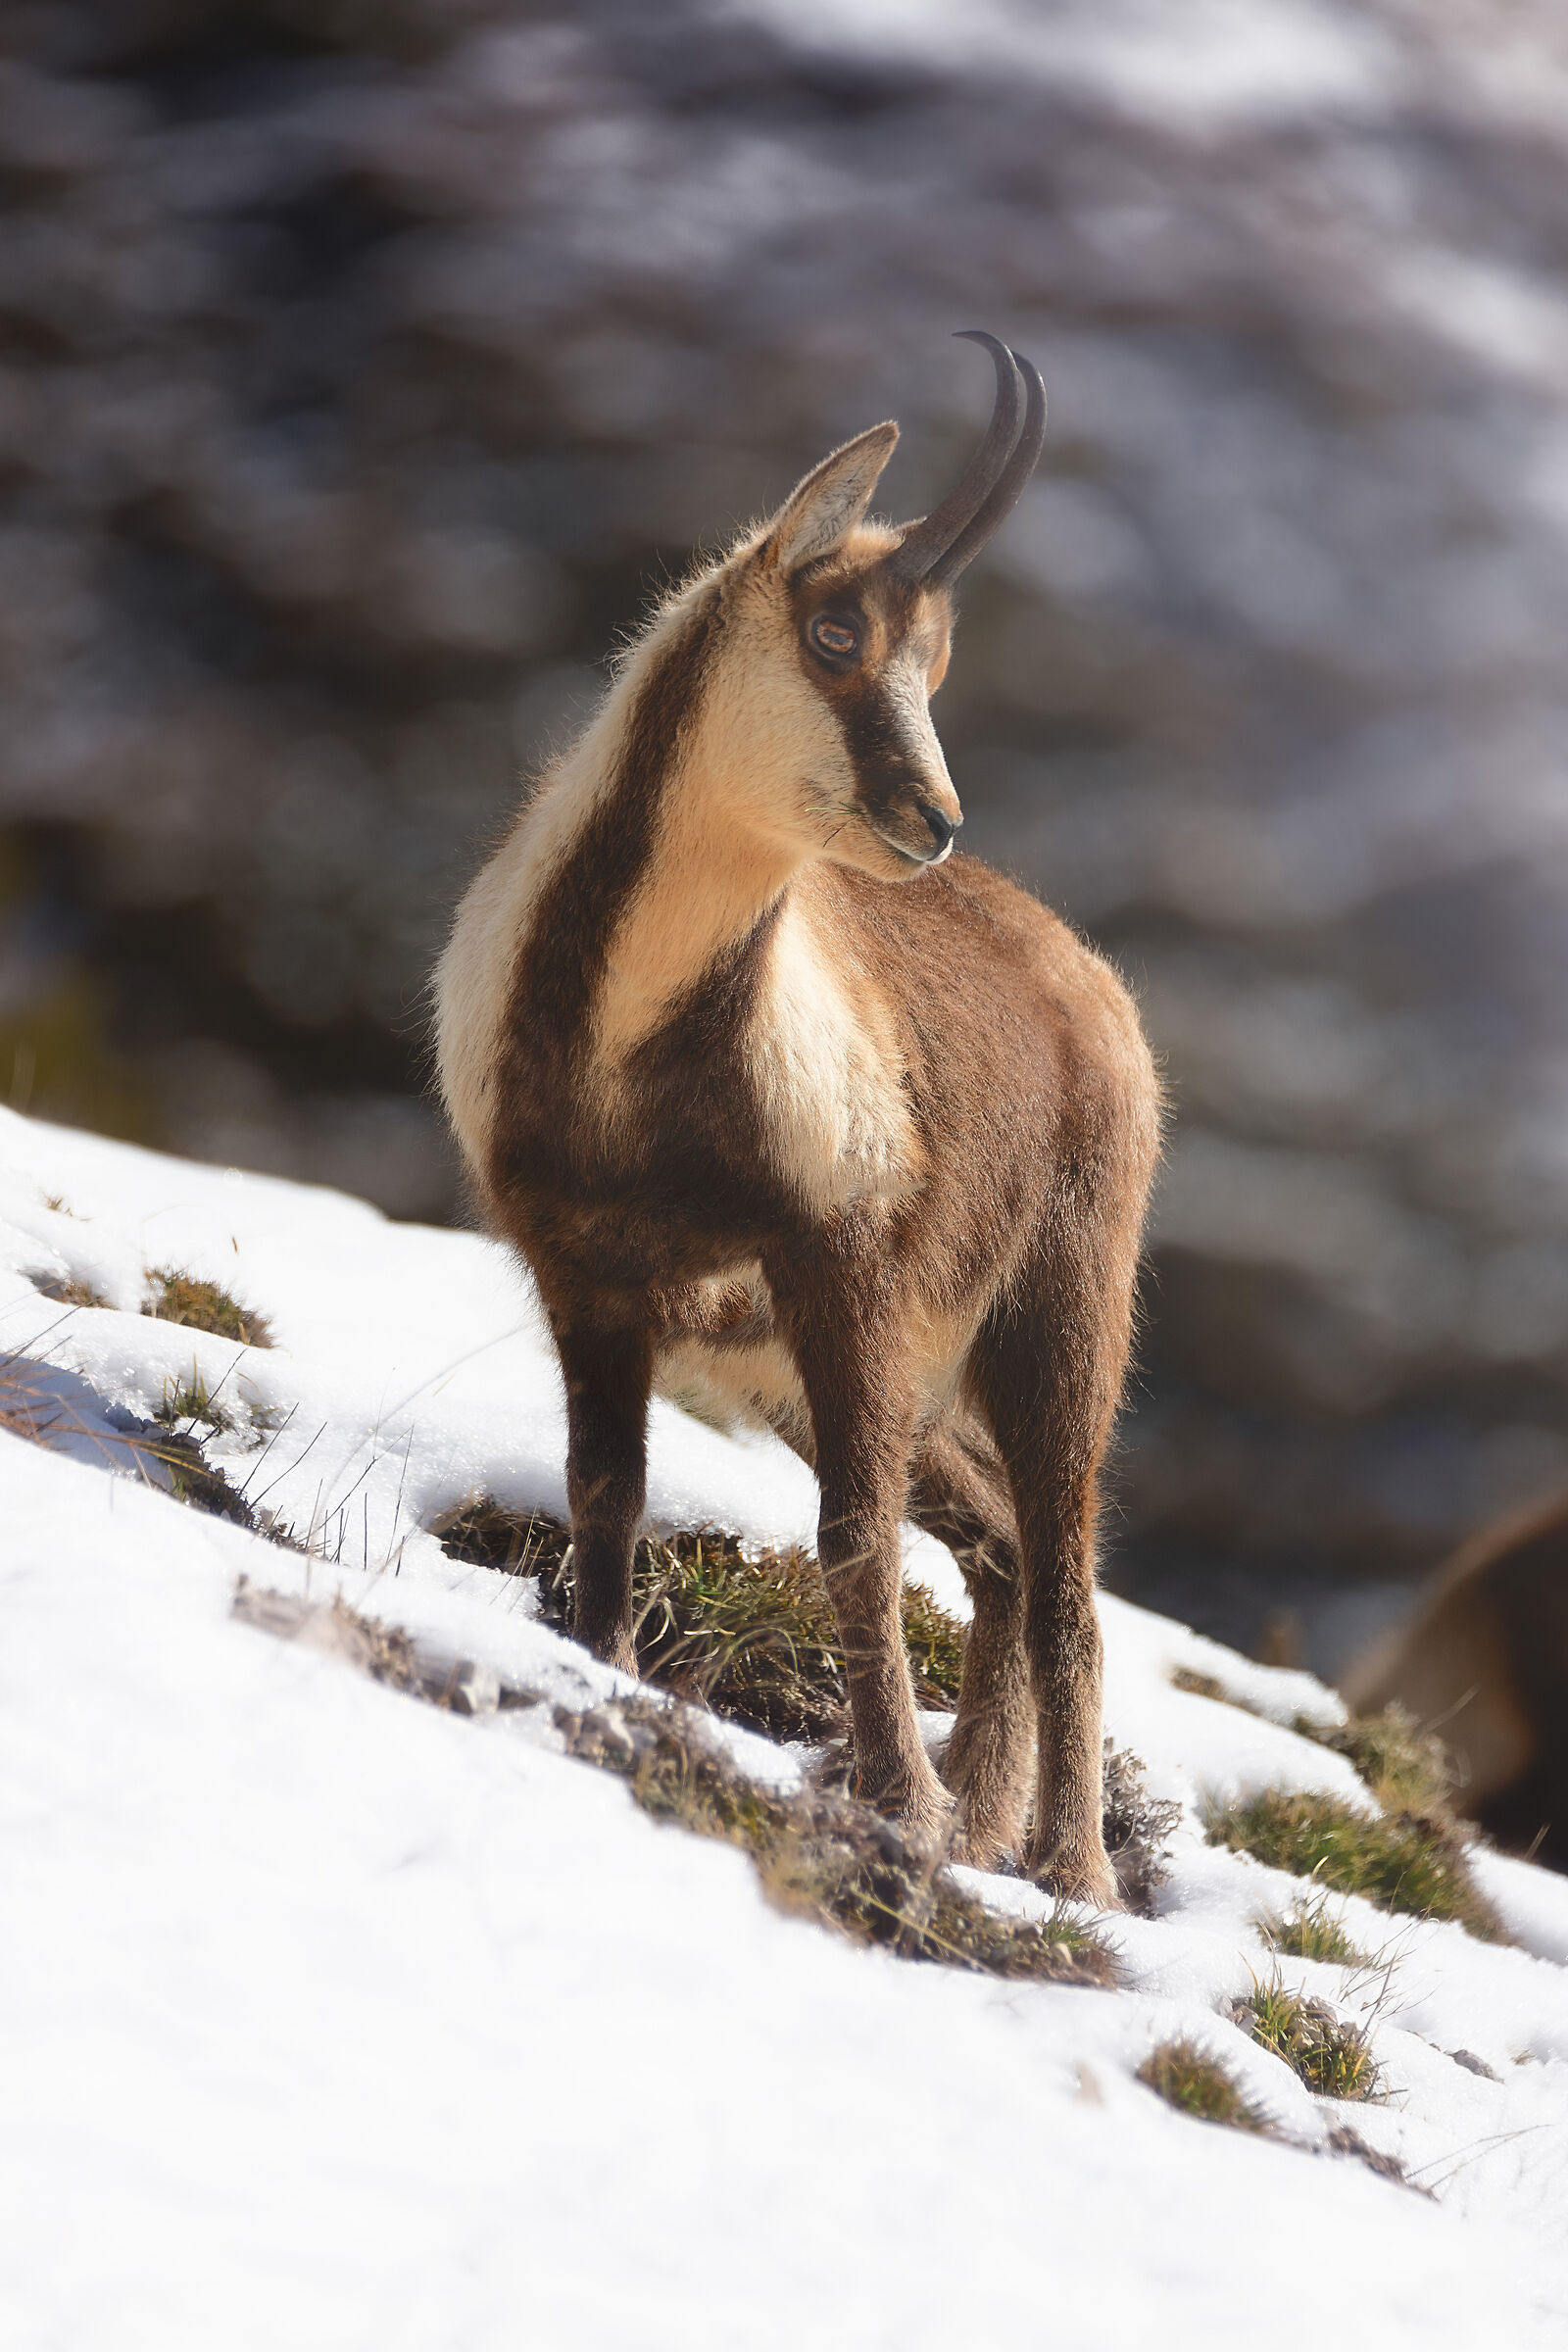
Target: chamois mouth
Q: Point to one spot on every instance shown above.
(914, 857)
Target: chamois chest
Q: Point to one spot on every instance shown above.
(769, 1097)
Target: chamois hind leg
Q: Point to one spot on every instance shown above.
(608, 1374)
(959, 1494)
(1051, 1369)
(842, 1327)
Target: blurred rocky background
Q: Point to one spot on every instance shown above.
(367, 362)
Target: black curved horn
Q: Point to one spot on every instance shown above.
(924, 545)
(1007, 488)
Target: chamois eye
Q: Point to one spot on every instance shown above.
(836, 638)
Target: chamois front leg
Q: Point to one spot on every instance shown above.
(608, 1374)
(850, 1352)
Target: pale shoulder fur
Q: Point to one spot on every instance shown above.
(474, 977)
(828, 1071)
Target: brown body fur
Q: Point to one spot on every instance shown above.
(1486, 1661)
(867, 1163)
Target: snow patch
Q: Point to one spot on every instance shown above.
(338, 2019)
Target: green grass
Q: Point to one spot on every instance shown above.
(1309, 1932)
(752, 1639)
(190, 1405)
(201, 1305)
(1409, 1858)
(1332, 2057)
(1188, 2078)
(1406, 1769)
(1404, 1862)
(755, 1640)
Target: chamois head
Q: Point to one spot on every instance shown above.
(842, 632)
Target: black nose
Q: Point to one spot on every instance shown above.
(943, 828)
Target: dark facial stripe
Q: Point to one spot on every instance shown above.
(879, 752)
(873, 725)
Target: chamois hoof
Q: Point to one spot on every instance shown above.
(983, 1849)
(922, 1808)
(613, 1650)
(1087, 1879)
(924, 1813)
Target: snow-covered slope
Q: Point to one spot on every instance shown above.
(335, 2020)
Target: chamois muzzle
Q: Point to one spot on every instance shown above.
(934, 551)
(942, 828)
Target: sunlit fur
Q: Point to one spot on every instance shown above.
(812, 1126)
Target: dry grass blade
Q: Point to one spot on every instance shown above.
(28, 1408)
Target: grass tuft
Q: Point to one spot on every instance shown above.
(1406, 1862)
(1309, 1932)
(205, 1306)
(1406, 1769)
(935, 1640)
(1186, 2076)
(825, 1857)
(69, 1294)
(752, 1639)
(191, 1403)
(755, 1640)
(193, 1480)
(517, 1542)
(1137, 1830)
(1332, 2057)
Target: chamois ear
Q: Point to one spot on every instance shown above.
(820, 515)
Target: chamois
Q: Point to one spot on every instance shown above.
(795, 1115)
(1484, 1659)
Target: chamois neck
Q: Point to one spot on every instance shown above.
(709, 879)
